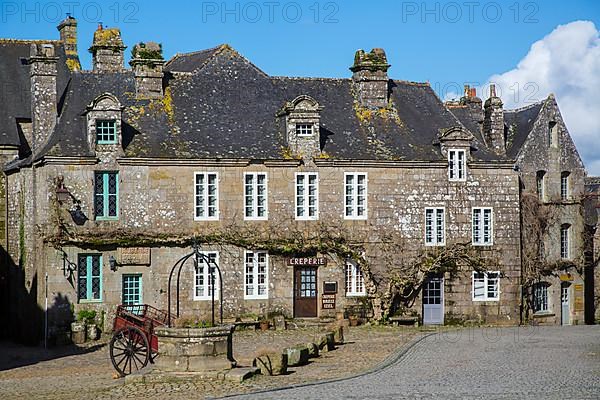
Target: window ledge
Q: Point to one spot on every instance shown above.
(356, 295)
(83, 301)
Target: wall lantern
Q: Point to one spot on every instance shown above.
(62, 193)
(113, 263)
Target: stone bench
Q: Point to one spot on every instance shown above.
(247, 324)
(404, 321)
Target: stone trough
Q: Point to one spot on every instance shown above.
(199, 350)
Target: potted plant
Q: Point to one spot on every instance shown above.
(88, 319)
(353, 320)
(264, 324)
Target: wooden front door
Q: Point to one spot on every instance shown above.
(305, 292)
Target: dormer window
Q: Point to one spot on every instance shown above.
(302, 126)
(304, 129)
(106, 131)
(104, 116)
(456, 165)
(456, 143)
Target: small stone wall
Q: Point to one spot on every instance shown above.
(195, 349)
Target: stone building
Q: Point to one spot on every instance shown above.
(364, 195)
(592, 247)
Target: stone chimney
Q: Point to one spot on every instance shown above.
(68, 35)
(42, 70)
(370, 78)
(474, 105)
(107, 50)
(493, 123)
(147, 64)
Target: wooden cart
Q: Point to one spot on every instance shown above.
(134, 344)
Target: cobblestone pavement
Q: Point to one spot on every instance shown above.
(71, 373)
(504, 363)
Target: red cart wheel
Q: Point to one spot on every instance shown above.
(129, 350)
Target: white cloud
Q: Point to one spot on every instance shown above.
(567, 63)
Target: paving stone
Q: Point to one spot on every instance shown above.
(554, 363)
(84, 373)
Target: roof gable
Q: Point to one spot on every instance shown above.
(520, 123)
(195, 61)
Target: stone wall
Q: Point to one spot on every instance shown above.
(538, 154)
(160, 199)
(4, 282)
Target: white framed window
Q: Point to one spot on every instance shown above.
(307, 196)
(304, 129)
(355, 195)
(540, 181)
(435, 226)
(540, 297)
(206, 196)
(564, 186)
(256, 275)
(255, 196)
(565, 241)
(202, 276)
(486, 286)
(457, 165)
(483, 226)
(355, 282)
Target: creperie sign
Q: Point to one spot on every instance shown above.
(308, 261)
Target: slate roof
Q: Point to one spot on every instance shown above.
(227, 108)
(219, 105)
(190, 62)
(592, 184)
(464, 116)
(15, 97)
(519, 123)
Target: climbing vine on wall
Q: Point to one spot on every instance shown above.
(393, 271)
(537, 220)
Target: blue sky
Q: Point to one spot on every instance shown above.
(455, 48)
(447, 43)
